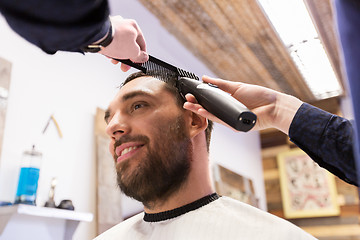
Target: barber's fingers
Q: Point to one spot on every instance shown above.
(192, 105)
(113, 61)
(140, 48)
(140, 41)
(139, 44)
(125, 67)
(142, 57)
(227, 86)
(128, 41)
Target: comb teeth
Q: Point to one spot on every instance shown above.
(183, 73)
(161, 68)
(158, 71)
(152, 66)
(164, 69)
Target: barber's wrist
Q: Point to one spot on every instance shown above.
(103, 42)
(286, 108)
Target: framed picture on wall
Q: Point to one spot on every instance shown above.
(234, 185)
(307, 190)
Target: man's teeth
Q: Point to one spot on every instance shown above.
(126, 150)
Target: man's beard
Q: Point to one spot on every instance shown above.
(165, 167)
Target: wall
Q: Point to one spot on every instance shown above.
(71, 86)
(237, 151)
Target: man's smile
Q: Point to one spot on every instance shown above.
(127, 150)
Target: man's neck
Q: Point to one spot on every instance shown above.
(176, 200)
(197, 185)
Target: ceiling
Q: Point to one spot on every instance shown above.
(235, 39)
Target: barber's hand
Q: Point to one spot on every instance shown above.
(128, 42)
(273, 109)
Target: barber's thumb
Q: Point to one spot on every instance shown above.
(143, 57)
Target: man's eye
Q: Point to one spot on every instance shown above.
(138, 105)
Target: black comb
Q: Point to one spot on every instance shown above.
(159, 66)
(214, 100)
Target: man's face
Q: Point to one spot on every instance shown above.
(149, 140)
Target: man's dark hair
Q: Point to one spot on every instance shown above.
(170, 86)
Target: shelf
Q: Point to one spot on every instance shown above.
(61, 221)
(45, 212)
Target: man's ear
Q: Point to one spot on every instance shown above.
(196, 123)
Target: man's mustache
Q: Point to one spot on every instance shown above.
(126, 139)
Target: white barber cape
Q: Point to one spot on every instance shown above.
(216, 218)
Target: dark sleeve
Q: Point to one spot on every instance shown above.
(56, 25)
(327, 139)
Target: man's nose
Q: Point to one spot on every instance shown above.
(117, 127)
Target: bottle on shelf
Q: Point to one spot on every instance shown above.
(29, 177)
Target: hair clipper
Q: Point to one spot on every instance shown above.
(219, 103)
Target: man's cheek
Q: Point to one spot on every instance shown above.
(111, 147)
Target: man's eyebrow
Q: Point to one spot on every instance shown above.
(135, 94)
(125, 98)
